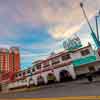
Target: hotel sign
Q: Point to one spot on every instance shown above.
(72, 43)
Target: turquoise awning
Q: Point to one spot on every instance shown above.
(83, 61)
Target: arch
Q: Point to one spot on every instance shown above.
(51, 78)
(65, 75)
(40, 80)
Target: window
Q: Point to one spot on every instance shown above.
(85, 52)
(33, 69)
(16, 75)
(91, 69)
(46, 64)
(28, 71)
(66, 57)
(55, 61)
(19, 74)
(23, 73)
(38, 66)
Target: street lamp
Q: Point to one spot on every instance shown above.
(97, 42)
(81, 5)
(96, 20)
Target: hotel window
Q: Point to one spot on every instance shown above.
(55, 61)
(91, 69)
(1, 62)
(16, 75)
(7, 61)
(66, 57)
(38, 66)
(46, 64)
(28, 71)
(23, 73)
(85, 52)
(19, 74)
(33, 69)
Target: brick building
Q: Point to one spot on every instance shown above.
(9, 62)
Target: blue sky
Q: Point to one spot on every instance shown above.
(38, 27)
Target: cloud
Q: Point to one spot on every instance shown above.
(69, 18)
(62, 31)
(60, 18)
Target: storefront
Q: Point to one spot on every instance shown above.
(86, 65)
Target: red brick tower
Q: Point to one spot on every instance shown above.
(4, 63)
(14, 59)
(9, 63)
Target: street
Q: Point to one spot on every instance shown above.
(73, 88)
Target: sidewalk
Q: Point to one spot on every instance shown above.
(21, 90)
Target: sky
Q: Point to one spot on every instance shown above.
(38, 27)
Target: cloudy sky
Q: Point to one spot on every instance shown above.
(38, 27)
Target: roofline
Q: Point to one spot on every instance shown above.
(89, 45)
(63, 52)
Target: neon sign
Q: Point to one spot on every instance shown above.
(72, 43)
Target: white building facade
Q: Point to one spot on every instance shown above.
(64, 65)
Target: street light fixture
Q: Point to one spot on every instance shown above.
(96, 20)
(97, 42)
(81, 5)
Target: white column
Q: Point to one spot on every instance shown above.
(56, 73)
(71, 71)
(45, 79)
(35, 80)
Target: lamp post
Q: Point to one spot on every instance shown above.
(81, 5)
(96, 20)
(97, 42)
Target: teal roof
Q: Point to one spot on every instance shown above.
(83, 61)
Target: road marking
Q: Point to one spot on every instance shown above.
(61, 98)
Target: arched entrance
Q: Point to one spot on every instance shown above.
(51, 78)
(65, 76)
(40, 80)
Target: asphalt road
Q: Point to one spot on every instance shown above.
(74, 88)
